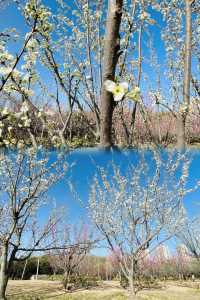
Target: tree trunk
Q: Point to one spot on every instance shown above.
(4, 272)
(131, 288)
(37, 270)
(111, 55)
(66, 281)
(181, 136)
(24, 269)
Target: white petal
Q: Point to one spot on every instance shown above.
(124, 85)
(109, 85)
(118, 97)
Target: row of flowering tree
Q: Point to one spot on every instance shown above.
(160, 264)
(95, 56)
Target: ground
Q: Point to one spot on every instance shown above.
(41, 289)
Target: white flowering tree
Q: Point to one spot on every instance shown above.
(181, 35)
(189, 235)
(25, 178)
(139, 209)
(71, 45)
(19, 77)
(76, 54)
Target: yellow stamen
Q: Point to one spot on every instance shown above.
(118, 90)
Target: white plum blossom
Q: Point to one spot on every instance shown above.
(118, 90)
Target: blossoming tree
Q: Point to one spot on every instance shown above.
(138, 210)
(190, 237)
(25, 178)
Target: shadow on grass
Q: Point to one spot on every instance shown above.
(37, 294)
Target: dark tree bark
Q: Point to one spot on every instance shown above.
(111, 55)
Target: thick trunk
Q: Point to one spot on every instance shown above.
(111, 55)
(4, 272)
(106, 120)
